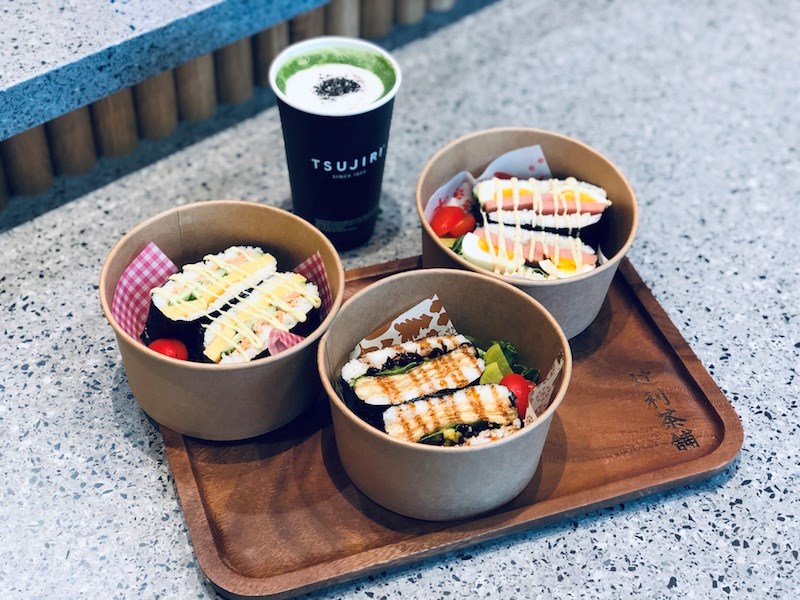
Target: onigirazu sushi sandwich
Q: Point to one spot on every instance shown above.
(228, 307)
(441, 390)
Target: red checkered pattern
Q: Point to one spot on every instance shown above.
(313, 269)
(131, 302)
(278, 341)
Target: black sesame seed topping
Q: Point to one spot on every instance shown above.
(336, 86)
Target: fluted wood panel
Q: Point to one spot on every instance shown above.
(441, 5)
(377, 17)
(408, 12)
(3, 187)
(157, 105)
(234, 68)
(343, 17)
(308, 25)
(266, 46)
(196, 88)
(114, 123)
(27, 160)
(112, 126)
(72, 142)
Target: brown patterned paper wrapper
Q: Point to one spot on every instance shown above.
(429, 318)
(425, 319)
(542, 395)
(151, 268)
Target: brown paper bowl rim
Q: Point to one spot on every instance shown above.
(518, 281)
(525, 431)
(310, 339)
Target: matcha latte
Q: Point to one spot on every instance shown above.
(335, 80)
(335, 97)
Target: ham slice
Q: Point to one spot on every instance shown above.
(545, 245)
(546, 197)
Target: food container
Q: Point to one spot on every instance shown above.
(432, 482)
(574, 301)
(215, 401)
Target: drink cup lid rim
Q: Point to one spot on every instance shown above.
(331, 40)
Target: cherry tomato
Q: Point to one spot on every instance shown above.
(465, 225)
(171, 348)
(444, 218)
(520, 387)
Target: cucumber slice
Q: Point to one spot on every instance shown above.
(449, 436)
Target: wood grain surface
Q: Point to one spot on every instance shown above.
(114, 123)
(196, 88)
(343, 17)
(276, 516)
(267, 45)
(157, 105)
(308, 25)
(377, 18)
(234, 70)
(72, 142)
(28, 168)
(408, 12)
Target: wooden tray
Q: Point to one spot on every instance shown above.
(277, 516)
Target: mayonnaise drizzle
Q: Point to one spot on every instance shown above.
(245, 305)
(563, 218)
(224, 265)
(501, 241)
(204, 277)
(517, 220)
(262, 306)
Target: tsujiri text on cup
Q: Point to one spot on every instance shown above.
(335, 98)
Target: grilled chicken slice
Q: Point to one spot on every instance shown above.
(400, 355)
(488, 403)
(450, 371)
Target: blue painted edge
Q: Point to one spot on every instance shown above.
(94, 76)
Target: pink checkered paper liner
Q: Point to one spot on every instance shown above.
(151, 268)
(131, 301)
(313, 269)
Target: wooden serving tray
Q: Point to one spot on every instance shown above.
(277, 516)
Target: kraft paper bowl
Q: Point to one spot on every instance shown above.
(439, 483)
(574, 302)
(212, 401)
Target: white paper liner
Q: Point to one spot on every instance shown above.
(521, 163)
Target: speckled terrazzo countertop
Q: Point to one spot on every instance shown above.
(695, 102)
(58, 55)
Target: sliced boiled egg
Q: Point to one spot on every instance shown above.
(565, 267)
(477, 250)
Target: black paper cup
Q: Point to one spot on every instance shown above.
(336, 161)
